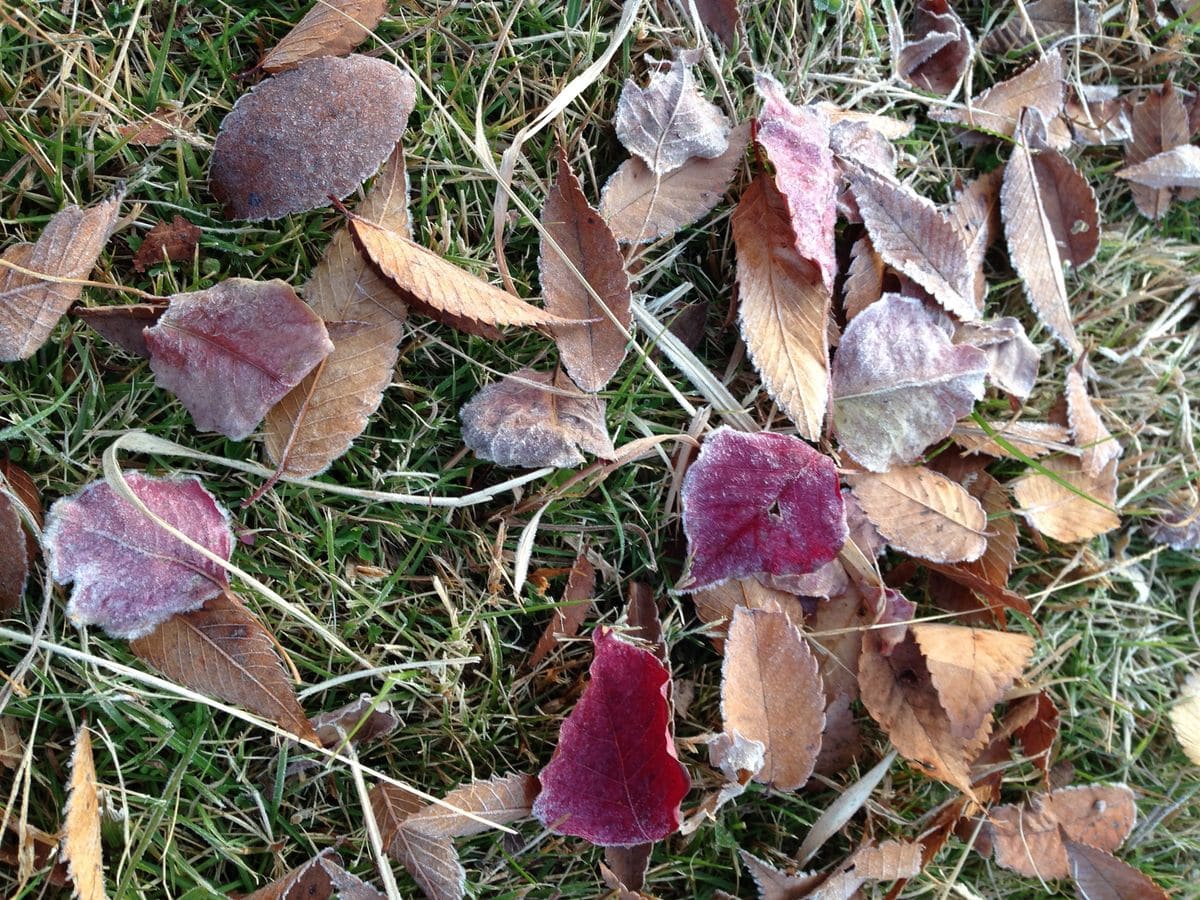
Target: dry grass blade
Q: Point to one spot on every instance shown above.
(81, 831)
(330, 28)
(501, 799)
(1071, 506)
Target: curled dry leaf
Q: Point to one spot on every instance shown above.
(1012, 358)
(1078, 510)
(124, 325)
(432, 861)
(1177, 526)
(315, 131)
(640, 206)
(362, 721)
(129, 573)
(329, 28)
(500, 799)
(976, 214)
(669, 120)
(81, 830)
(771, 692)
(899, 384)
(996, 110)
(231, 352)
(1087, 429)
(1101, 876)
(1048, 19)
(515, 422)
(1158, 123)
(941, 49)
(588, 790)
(1178, 167)
(1185, 718)
(783, 309)
(175, 241)
(592, 350)
(576, 606)
(756, 503)
(776, 885)
(69, 247)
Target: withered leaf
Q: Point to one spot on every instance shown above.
(1101, 876)
(1012, 358)
(624, 869)
(997, 560)
(176, 241)
(1178, 167)
(1033, 439)
(1158, 123)
(938, 55)
(69, 247)
(329, 28)
(1069, 514)
(771, 693)
(784, 308)
(308, 133)
(591, 351)
(18, 548)
(224, 651)
(1177, 525)
(517, 422)
(776, 885)
(1097, 115)
(576, 605)
(976, 214)
(81, 831)
(864, 278)
(722, 18)
(888, 861)
(12, 745)
(716, 604)
(640, 206)
(432, 861)
(362, 721)
(155, 129)
(321, 878)
(996, 110)
(500, 800)
(1087, 429)
(1049, 19)
(123, 325)
(1185, 718)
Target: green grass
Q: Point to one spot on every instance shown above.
(195, 800)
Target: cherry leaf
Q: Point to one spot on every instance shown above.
(996, 110)
(1072, 506)
(130, 574)
(615, 779)
(759, 503)
(1049, 19)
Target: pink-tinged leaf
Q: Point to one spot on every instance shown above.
(615, 779)
(760, 503)
(899, 384)
(233, 351)
(130, 574)
(796, 139)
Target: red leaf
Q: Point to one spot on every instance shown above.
(760, 503)
(615, 779)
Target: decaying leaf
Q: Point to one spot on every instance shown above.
(1185, 718)
(996, 563)
(864, 278)
(887, 861)
(231, 352)
(130, 574)
(1158, 123)
(1101, 876)
(312, 132)
(155, 129)
(669, 120)
(500, 800)
(18, 548)
(940, 51)
(69, 247)
(1178, 167)
(1177, 525)
(588, 789)
(12, 745)
(784, 308)
(81, 830)
(432, 861)
(515, 422)
(1097, 115)
(225, 652)
(593, 350)
(1048, 19)
(1069, 514)
(123, 325)
(640, 206)
(321, 878)
(362, 721)
(976, 214)
(624, 869)
(776, 885)
(329, 28)
(1087, 429)
(175, 241)
(899, 384)
(722, 18)
(576, 606)
(996, 110)
(1012, 358)
(756, 503)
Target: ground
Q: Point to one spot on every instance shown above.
(196, 801)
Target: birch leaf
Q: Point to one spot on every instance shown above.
(81, 831)
(329, 28)
(1062, 513)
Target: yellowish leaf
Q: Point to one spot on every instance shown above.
(81, 831)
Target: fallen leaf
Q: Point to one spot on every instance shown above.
(1087, 429)
(1185, 718)
(515, 422)
(640, 206)
(1068, 514)
(500, 799)
(1033, 439)
(155, 129)
(69, 247)
(19, 547)
(829, 580)
(715, 605)
(1038, 86)
(361, 721)
(771, 693)
(12, 745)
(225, 652)
(576, 606)
(722, 18)
(588, 789)
(432, 861)
(996, 563)
(776, 885)
(176, 241)
(1037, 736)
(1048, 19)
(976, 214)
(864, 278)
(321, 878)
(123, 325)
(643, 624)
(940, 51)
(329, 28)
(627, 866)
(669, 120)
(81, 830)
(759, 503)
(1178, 167)
(1157, 124)
(1101, 876)
(888, 861)
(1012, 358)
(591, 351)
(835, 631)
(914, 238)
(783, 309)
(231, 352)
(1177, 526)
(309, 133)
(1069, 205)
(899, 384)
(1097, 115)
(130, 574)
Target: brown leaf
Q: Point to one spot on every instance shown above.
(155, 129)
(500, 800)
(643, 621)
(722, 18)
(771, 692)
(1178, 167)
(864, 278)
(1070, 207)
(123, 325)
(176, 241)
(976, 214)
(1012, 358)
(938, 55)
(1158, 123)
(776, 885)
(784, 308)
(321, 878)
(12, 745)
(18, 548)
(996, 110)
(362, 721)
(716, 604)
(627, 866)
(1033, 439)
(1049, 19)
(81, 830)
(432, 861)
(1097, 115)
(996, 563)
(576, 606)
(640, 206)
(1087, 429)
(223, 651)
(1185, 718)
(835, 631)
(1061, 513)
(329, 28)
(1101, 876)
(887, 861)
(592, 351)
(517, 422)
(69, 247)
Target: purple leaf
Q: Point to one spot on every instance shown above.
(760, 503)
(130, 574)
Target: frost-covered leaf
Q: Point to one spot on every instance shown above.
(1012, 358)
(1178, 167)
(996, 110)
(1048, 19)
(231, 352)
(1088, 432)
(1097, 115)
(715, 605)
(517, 422)
(1032, 439)
(669, 120)
(432, 861)
(1079, 510)
(1185, 718)
(588, 788)
(329, 28)
(500, 800)
(312, 132)
(1157, 124)
(123, 325)
(722, 18)
(129, 573)
(321, 878)
(887, 861)
(1101, 876)
(776, 885)
(996, 563)
(937, 56)
(1177, 526)
(899, 384)
(757, 503)
(976, 214)
(864, 278)
(81, 830)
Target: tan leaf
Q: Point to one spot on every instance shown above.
(923, 513)
(971, 669)
(500, 800)
(891, 128)
(591, 352)
(835, 632)
(864, 278)
(69, 247)
(1013, 359)
(432, 861)
(888, 861)
(329, 28)
(576, 606)
(995, 565)
(914, 238)
(996, 110)
(1185, 718)
(1033, 439)
(716, 604)
(784, 309)
(776, 885)
(81, 831)
(640, 206)
(1101, 876)
(1048, 19)
(1157, 124)
(223, 651)
(976, 214)
(1178, 167)
(157, 128)
(771, 693)
(1062, 513)
(1087, 430)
